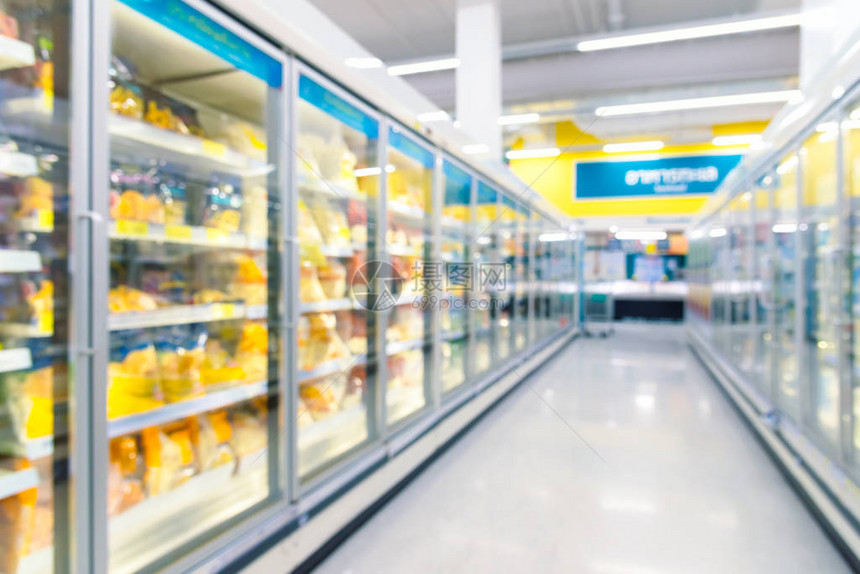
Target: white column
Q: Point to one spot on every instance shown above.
(479, 76)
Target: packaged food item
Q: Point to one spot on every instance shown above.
(320, 399)
(8, 24)
(180, 359)
(255, 218)
(324, 344)
(249, 427)
(211, 434)
(310, 290)
(356, 214)
(134, 383)
(208, 296)
(332, 279)
(126, 97)
(307, 164)
(133, 196)
(331, 222)
(17, 521)
(124, 299)
(222, 208)
(219, 367)
(125, 485)
(308, 231)
(169, 457)
(304, 418)
(174, 197)
(252, 352)
(251, 281)
(36, 195)
(27, 397)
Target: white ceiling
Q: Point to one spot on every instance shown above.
(405, 30)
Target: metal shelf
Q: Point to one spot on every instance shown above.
(404, 251)
(32, 449)
(403, 211)
(125, 229)
(396, 347)
(176, 411)
(453, 335)
(15, 360)
(42, 221)
(14, 482)
(16, 261)
(15, 54)
(337, 251)
(329, 368)
(17, 164)
(328, 305)
(24, 331)
(330, 189)
(178, 315)
(147, 140)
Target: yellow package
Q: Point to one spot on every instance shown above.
(134, 383)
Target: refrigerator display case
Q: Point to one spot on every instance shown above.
(740, 256)
(806, 255)
(35, 287)
(192, 199)
(245, 325)
(458, 276)
(785, 286)
(523, 278)
(338, 176)
(490, 280)
(821, 262)
(408, 334)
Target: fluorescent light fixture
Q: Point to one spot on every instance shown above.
(717, 232)
(697, 234)
(457, 124)
(784, 227)
(855, 114)
(367, 171)
(484, 240)
(837, 92)
(691, 33)
(632, 147)
(554, 236)
(389, 168)
(437, 116)
(748, 139)
(517, 119)
(698, 103)
(825, 127)
(787, 165)
(364, 63)
(422, 67)
(644, 235)
(533, 153)
(475, 148)
(613, 229)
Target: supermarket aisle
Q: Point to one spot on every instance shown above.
(685, 486)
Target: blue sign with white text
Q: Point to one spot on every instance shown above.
(405, 145)
(692, 175)
(337, 107)
(458, 185)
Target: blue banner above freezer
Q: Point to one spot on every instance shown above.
(691, 175)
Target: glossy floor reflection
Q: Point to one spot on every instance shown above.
(685, 486)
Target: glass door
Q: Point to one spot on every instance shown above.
(509, 255)
(741, 264)
(459, 275)
(851, 162)
(523, 319)
(821, 261)
(35, 286)
(408, 335)
(338, 183)
(490, 273)
(762, 288)
(785, 286)
(195, 126)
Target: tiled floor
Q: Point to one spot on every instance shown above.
(677, 484)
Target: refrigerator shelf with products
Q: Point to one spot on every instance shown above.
(34, 287)
(490, 275)
(194, 186)
(523, 278)
(338, 200)
(410, 172)
(459, 273)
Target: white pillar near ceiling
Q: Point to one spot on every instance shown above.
(827, 28)
(479, 76)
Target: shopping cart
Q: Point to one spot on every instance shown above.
(599, 313)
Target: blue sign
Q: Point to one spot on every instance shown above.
(337, 107)
(665, 176)
(486, 194)
(407, 146)
(208, 34)
(458, 185)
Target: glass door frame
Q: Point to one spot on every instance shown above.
(371, 452)
(92, 549)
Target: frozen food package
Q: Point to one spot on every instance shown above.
(169, 457)
(331, 221)
(222, 205)
(134, 382)
(180, 358)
